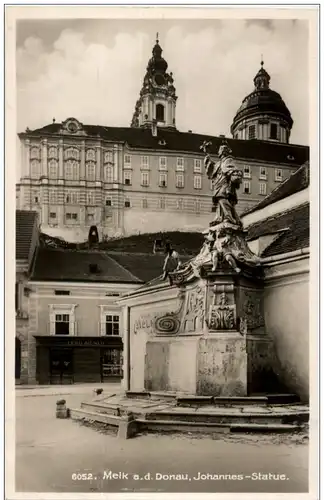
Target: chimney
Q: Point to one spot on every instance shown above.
(154, 128)
(189, 131)
(222, 136)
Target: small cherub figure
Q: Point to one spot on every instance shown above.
(219, 249)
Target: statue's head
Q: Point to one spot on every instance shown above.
(236, 178)
(224, 150)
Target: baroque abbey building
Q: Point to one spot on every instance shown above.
(126, 180)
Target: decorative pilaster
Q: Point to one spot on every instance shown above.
(116, 162)
(44, 158)
(82, 169)
(98, 163)
(61, 160)
(27, 158)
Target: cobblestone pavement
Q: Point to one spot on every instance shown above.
(49, 451)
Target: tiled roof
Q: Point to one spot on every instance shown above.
(295, 222)
(25, 223)
(184, 242)
(84, 266)
(290, 154)
(298, 181)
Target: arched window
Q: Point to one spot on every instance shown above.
(160, 112)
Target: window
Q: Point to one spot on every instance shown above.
(53, 170)
(180, 204)
(91, 198)
(163, 163)
(127, 204)
(163, 180)
(180, 164)
(71, 153)
(91, 171)
(197, 181)
(273, 131)
(251, 132)
(278, 174)
(71, 216)
(145, 179)
(108, 202)
(263, 188)
(52, 215)
(35, 169)
(263, 173)
(197, 166)
(52, 152)
(61, 292)
(112, 325)
(71, 169)
(162, 203)
(179, 180)
(62, 324)
(52, 195)
(145, 162)
(112, 362)
(109, 173)
(108, 157)
(127, 178)
(90, 155)
(127, 160)
(144, 203)
(72, 197)
(197, 206)
(247, 172)
(159, 112)
(246, 187)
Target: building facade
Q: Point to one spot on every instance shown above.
(128, 180)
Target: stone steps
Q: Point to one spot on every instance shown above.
(230, 417)
(208, 428)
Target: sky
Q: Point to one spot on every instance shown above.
(93, 69)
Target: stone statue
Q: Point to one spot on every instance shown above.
(226, 178)
(172, 261)
(225, 241)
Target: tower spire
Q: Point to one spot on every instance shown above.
(157, 37)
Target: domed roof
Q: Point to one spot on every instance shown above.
(262, 100)
(157, 64)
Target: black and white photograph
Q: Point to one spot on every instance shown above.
(165, 166)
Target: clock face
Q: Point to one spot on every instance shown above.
(72, 127)
(159, 79)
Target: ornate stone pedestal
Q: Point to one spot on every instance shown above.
(216, 343)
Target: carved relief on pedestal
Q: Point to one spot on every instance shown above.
(223, 315)
(194, 315)
(252, 308)
(169, 323)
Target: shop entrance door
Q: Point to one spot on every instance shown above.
(111, 363)
(61, 366)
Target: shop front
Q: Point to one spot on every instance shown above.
(66, 360)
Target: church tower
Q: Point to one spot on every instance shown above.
(263, 114)
(157, 102)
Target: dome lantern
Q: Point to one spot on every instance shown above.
(263, 114)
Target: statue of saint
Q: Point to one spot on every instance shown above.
(226, 178)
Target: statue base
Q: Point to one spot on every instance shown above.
(220, 347)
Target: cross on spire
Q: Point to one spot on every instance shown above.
(262, 62)
(157, 37)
